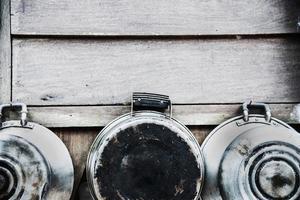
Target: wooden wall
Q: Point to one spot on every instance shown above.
(76, 63)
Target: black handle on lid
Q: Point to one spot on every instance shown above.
(150, 101)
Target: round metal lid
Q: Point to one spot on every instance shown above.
(145, 155)
(34, 163)
(256, 158)
(264, 162)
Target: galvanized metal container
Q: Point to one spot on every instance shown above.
(145, 155)
(34, 163)
(252, 157)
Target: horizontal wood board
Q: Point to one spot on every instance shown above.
(154, 17)
(191, 71)
(95, 116)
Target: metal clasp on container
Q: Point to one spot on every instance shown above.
(248, 105)
(24, 111)
(150, 101)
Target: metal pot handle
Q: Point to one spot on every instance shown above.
(150, 101)
(250, 104)
(23, 111)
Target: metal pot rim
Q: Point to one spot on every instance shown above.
(61, 170)
(146, 114)
(234, 119)
(233, 128)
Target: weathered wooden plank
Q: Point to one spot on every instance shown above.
(155, 17)
(5, 52)
(78, 142)
(191, 71)
(89, 116)
(201, 132)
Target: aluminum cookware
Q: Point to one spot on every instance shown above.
(145, 154)
(252, 156)
(34, 163)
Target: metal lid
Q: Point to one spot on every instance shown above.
(252, 157)
(264, 163)
(34, 163)
(145, 155)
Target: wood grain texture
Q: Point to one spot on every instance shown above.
(5, 52)
(78, 142)
(90, 116)
(191, 71)
(154, 17)
(201, 132)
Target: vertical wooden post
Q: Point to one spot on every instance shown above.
(5, 52)
(78, 142)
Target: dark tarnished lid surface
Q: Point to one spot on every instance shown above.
(145, 156)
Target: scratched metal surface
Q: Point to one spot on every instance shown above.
(252, 160)
(145, 155)
(34, 163)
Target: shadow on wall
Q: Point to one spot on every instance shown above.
(291, 59)
(83, 192)
(290, 8)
